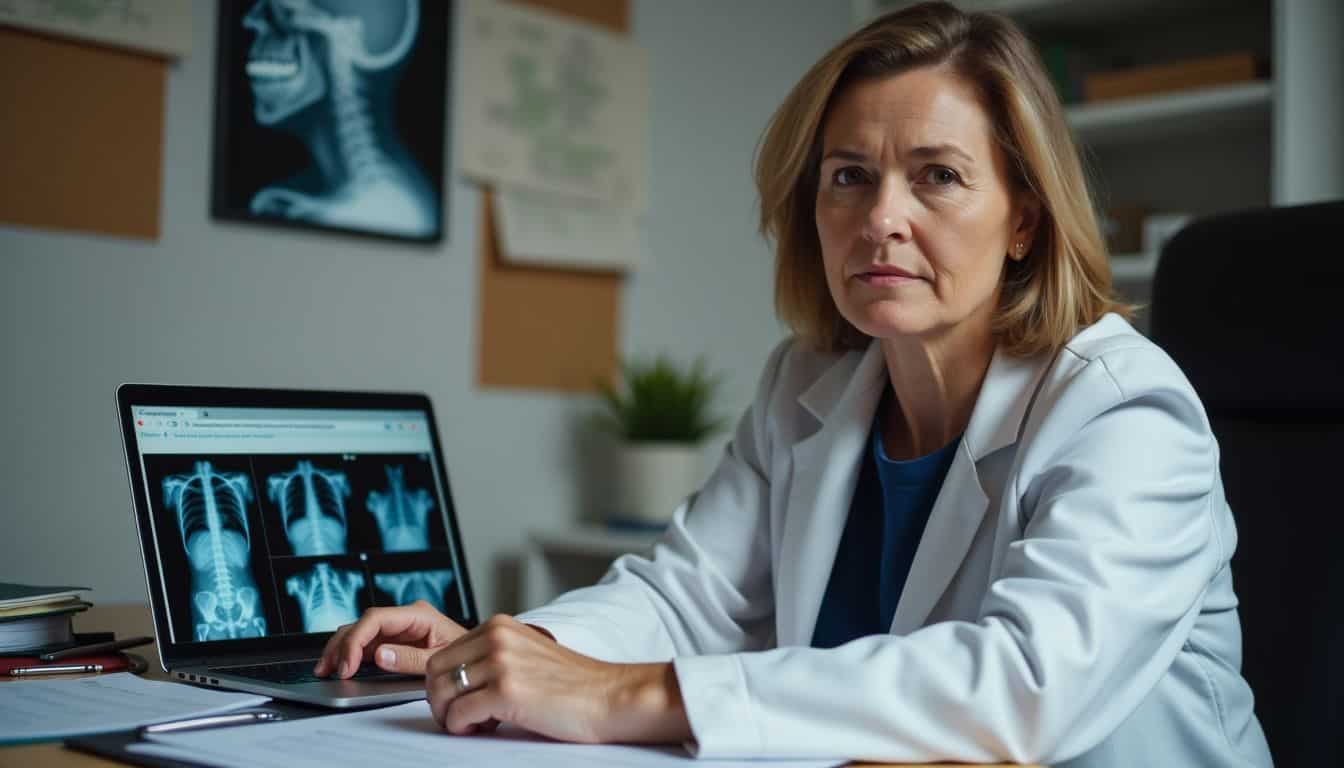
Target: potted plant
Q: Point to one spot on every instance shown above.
(661, 413)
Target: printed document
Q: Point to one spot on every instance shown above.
(43, 710)
(405, 736)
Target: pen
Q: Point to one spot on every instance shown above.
(89, 650)
(214, 720)
(55, 669)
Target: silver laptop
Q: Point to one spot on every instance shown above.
(268, 518)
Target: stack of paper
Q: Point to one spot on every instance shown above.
(42, 710)
(406, 736)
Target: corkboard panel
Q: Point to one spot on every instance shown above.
(81, 136)
(546, 328)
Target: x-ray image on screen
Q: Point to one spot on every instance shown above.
(327, 597)
(402, 513)
(406, 588)
(210, 508)
(311, 502)
(331, 114)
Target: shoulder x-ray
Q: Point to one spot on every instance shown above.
(327, 597)
(406, 588)
(211, 511)
(402, 513)
(327, 73)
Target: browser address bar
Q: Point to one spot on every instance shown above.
(307, 426)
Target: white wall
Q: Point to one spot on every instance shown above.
(224, 303)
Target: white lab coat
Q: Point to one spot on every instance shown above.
(1070, 601)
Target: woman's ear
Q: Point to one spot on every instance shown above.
(1025, 220)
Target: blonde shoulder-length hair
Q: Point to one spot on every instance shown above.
(1064, 282)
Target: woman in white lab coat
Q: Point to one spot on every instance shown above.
(971, 515)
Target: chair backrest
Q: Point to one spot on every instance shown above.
(1251, 306)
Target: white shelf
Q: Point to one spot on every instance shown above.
(1134, 266)
(1194, 111)
(593, 540)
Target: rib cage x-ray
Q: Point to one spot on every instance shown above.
(312, 507)
(327, 597)
(326, 71)
(211, 512)
(406, 588)
(402, 513)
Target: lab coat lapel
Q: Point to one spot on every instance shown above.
(825, 471)
(996, 420)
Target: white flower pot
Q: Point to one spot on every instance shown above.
(653, 479)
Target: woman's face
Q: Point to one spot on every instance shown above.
(914, 208)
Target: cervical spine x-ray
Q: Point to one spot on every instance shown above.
(402, 513)
(327, 597)
(312, 508)
(211, 512)
(326, 72)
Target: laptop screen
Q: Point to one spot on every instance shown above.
(280, 521)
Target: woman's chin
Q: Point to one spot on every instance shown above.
(892, 322)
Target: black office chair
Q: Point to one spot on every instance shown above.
(1251, 306)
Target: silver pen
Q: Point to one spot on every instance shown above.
(213, 721)
(55, 669)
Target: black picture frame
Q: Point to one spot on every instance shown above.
(326, 135)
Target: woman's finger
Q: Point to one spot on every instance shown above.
(406, 659)
(472, 711)
(443, 687)
(392, 622)
(329, 651)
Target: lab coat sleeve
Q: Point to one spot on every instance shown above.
(1088, 610)
(706, 587)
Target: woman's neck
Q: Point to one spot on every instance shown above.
(936, 382)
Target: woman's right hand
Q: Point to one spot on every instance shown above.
(397, 639)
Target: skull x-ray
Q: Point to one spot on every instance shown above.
(330, 113)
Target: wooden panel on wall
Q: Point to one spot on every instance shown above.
(546, 328)
(81, 136)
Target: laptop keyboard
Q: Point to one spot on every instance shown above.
(300, 672)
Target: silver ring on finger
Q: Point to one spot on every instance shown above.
(460, 680)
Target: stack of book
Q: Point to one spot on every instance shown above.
(36, 618)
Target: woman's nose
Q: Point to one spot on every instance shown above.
(889, 216)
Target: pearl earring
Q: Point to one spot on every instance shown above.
(1019, 252)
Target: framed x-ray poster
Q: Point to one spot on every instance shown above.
(331, 114)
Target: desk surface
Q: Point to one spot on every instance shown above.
(125, 620)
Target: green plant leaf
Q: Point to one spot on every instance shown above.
(658, 401)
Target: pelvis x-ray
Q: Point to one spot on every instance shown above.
(327, 597)
(312, 507)
(402, 513)
(336, 76)
(211, 512)
(406, 588)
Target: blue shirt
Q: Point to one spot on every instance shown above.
(891, 506)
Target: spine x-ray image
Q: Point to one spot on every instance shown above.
(326, 71)
(211, 510)
(402, 514)
(312, 507)
(406, 588)
(327, 597)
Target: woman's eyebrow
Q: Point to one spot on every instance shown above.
(846, 154)
(937, 150)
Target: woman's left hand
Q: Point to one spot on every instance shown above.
(516, 674)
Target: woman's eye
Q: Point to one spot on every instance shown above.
(942, 176)
(849, 176)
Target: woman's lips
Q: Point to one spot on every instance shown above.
(886, 276)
